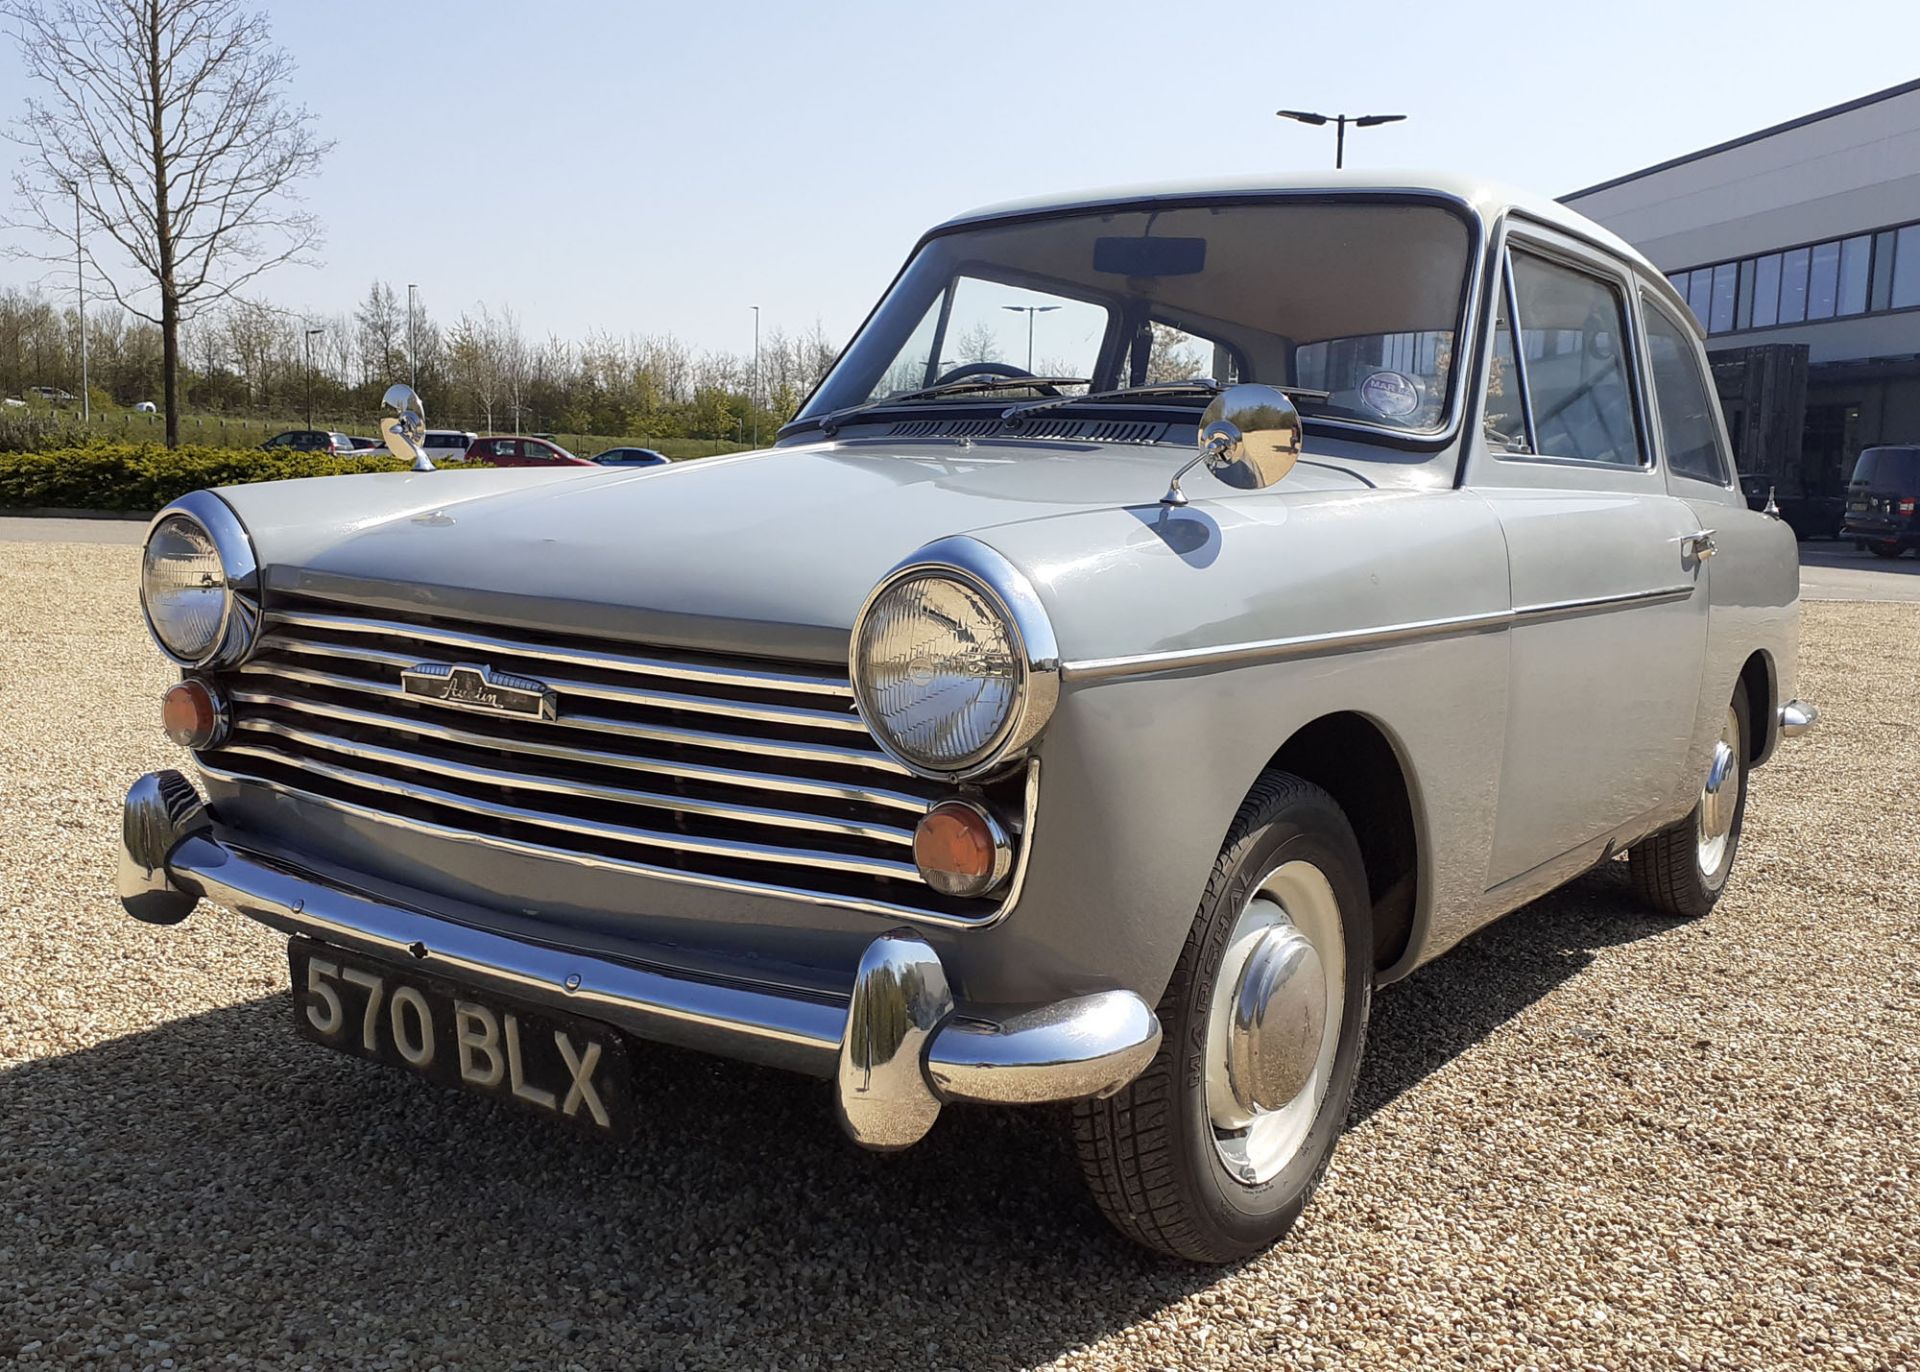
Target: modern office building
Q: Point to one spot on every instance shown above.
(1799, 249)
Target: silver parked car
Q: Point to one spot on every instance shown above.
(1179, 612)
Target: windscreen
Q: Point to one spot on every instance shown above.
(1352, 304)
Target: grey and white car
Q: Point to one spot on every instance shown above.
(1177, 614)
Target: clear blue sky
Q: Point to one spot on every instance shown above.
(643, 167)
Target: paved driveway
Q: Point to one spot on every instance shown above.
(1839, 571)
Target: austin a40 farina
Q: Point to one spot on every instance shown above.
(1178, 612)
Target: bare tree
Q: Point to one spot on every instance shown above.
(167, 120)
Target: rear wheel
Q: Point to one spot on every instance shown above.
(1886, 549)
(1683, 869)
(1214, 1150)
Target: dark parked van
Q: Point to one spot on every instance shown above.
(1883, 501)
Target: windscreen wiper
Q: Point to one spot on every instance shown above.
(828, 423)
(1199, 385)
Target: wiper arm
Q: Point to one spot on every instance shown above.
(829, 422)
(1202, 385)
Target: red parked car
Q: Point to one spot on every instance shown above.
(514, 451)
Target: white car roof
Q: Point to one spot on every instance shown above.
(1487, 198)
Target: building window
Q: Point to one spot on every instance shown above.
(1855, 254)
(1823, 283)
(1906, 268)
(1867, 273)
(1726, 279)
(1766, 291)
(1793, 286)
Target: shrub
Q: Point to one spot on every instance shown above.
(141, 477)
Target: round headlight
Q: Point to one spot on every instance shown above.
(184, 588)
(198, 583)
(953, 665)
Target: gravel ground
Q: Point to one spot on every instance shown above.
(1585, 1139)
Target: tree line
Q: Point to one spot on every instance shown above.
(481, 371)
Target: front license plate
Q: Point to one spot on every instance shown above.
(569, 1069)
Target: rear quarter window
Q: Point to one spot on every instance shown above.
(1889, 469)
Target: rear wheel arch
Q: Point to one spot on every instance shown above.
(1760, 682)
(1355, 760)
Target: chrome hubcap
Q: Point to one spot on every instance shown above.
(1719, 798)
(1274, 1022)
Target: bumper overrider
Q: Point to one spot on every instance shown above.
(897, 1048)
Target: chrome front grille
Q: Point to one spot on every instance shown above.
(724, 773)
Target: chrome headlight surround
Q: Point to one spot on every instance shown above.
(239, 622)
(1035, 685)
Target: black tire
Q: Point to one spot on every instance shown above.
(1665, 867)
(1886, 549)
(1148, 1152)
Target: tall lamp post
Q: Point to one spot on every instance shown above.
(309, 340)
(1030, 311)
(413, 371)
(1339, 122)
(753, 397)
(80, 289)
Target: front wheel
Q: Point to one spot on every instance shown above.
(1683, 869)
(1213, 1151)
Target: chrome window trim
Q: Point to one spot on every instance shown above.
(1036, 651)
(1605, 268)
(239, 567)
(1353, 640)
(632, 866)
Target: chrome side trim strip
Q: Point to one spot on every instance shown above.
(586, 828)
(484, 644)
(689, 771)
(634, 866)
(791, 715)
(692, 738)
(1353, 640)
(1273, 649)
(618, 795)
(1597, 605)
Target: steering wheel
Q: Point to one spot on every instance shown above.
(1006, 369)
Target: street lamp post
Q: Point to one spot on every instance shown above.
(1030, 311)
(309, 340)
(80, 289)
(1339, 122)
(753, 396)
(413, 370)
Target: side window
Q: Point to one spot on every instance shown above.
(1506, 416)
(1571, 328)
(1682, 401)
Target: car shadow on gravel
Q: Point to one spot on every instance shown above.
(217, 1186)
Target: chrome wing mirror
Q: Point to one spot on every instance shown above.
(405, 430)
(1249, 437)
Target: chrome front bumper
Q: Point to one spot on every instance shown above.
(897, 1049)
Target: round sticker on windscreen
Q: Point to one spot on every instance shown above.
(1390, 394)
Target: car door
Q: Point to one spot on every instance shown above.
(1609, 605)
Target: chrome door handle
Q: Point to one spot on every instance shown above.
(1699, 545)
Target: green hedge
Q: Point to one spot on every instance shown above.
(141, 477)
